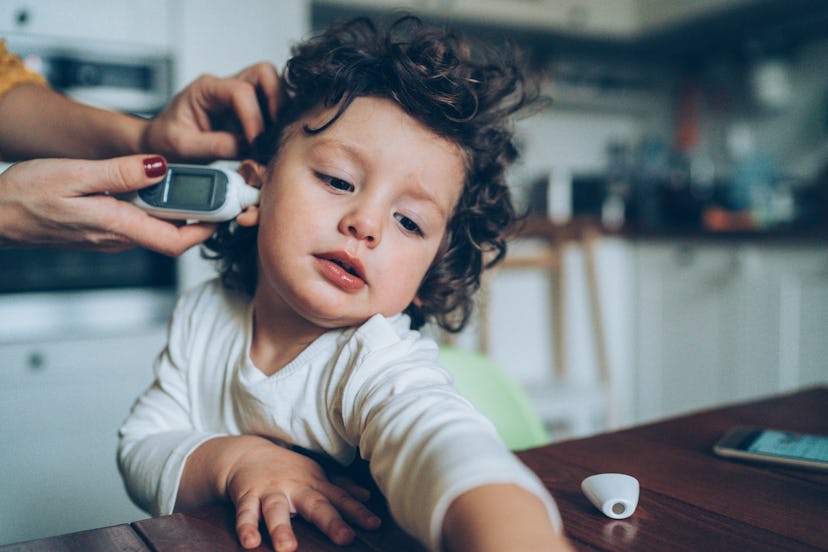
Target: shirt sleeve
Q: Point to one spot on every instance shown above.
(159, 434)
(419, 433)
(14, 72)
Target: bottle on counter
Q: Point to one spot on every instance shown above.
(753, 186)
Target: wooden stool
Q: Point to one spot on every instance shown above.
(569, 408)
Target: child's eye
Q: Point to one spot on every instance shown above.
(408, 224)
(337, 183)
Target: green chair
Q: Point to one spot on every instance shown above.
(496, 395)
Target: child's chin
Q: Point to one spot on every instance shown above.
(333, 321)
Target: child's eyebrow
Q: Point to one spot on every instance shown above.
(419, 192)
(328, 144)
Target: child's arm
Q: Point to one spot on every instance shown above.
(431, 451)
(260, 477)
(500, 517)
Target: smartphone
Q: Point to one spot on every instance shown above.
(775, 446)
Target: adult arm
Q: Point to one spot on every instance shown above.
(63, 203)
(36, 121)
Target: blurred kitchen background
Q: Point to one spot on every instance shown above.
(675, 256)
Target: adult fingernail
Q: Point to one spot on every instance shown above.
(155, 166)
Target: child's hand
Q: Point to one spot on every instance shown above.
(266, 480)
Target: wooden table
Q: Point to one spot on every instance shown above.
(690, 499)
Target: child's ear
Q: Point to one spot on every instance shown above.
(254, 174)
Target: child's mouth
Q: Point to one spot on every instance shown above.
(344, 269)
(348, 268)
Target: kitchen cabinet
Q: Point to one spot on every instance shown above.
(659, 13)
(727, 321)
(213, 37)
(688, 322)
(223, 36)
(121, 22)
(798, 299)
(600, 19)
(558, 319)
(586, 17)
(61, 404)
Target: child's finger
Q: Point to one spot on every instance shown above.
(357, 491)
(317, 509)
(276, 509)
(353, 510)
(247, 521)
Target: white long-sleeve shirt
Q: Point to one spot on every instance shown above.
(377, 387)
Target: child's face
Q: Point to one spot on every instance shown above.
(351, 218)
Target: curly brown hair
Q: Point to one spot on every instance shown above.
(464, 94)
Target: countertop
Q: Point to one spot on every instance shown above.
(582, 227)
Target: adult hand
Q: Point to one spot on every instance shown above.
(70, 203)
(214, 118)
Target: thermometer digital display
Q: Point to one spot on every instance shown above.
(196, 192)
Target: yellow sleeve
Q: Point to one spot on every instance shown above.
(13, 72)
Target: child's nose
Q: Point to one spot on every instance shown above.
(363, 225)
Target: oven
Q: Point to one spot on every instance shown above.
(46, 293)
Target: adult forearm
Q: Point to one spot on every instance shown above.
(36, 121)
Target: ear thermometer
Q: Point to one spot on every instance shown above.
(197, 192)
(194, 192)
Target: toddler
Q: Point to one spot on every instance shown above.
(383, 197)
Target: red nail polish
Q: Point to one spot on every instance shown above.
(155, 166)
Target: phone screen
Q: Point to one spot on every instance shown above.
(792, 445)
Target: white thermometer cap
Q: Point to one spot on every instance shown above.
(615, 494)
(247, 196)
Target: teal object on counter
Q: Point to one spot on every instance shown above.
(754, 180)
(497, 396)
